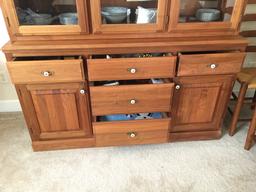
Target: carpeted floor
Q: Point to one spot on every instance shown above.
(205, 166)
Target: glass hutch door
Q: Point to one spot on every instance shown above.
(46, 16)
(128, 15)
(205, 14)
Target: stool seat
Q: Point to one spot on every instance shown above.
(248, 76)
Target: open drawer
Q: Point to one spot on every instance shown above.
(208, 64)
(132, 132)
(131, 68)
(46, 70)
(135, 98)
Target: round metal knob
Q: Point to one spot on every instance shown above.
(133, 101)
(177, 87)
(213, 66)
(132, 135)
(132, 70)
(82, 91)
(46, 73)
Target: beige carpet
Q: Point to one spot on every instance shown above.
(204, 166)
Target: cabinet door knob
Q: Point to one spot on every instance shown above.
(132, 70)
(46, 73)
(82, 91)
(133, 101)
(213, 66)
(132, 134)
(177, 87)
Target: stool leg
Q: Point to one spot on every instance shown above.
(238, 107)
(253, 100)
(251, 132)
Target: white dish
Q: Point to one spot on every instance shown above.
(207, 15)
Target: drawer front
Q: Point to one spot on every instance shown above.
(131, 132)
(131, 68)
(131, 99)
(46, 71)
(207, 64)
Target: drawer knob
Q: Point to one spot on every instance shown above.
(82, 91)
(132, 70)
(133, 101)
(213, 66)
(132, 134)
(47, 73)
(177, 87)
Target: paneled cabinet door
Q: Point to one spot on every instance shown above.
(200, 103)
(211, 15)
(46, 17)
(113, 16)
(56, 111)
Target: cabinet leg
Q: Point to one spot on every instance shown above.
(251, 132)
(237, 109)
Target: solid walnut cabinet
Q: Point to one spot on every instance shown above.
(56, 111)
(93, 73)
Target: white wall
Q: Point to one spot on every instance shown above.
(8, 97)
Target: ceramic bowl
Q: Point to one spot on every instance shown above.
(207, 15)
(115, 14)
(68, 18)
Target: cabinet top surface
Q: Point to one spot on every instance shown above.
(125, 46)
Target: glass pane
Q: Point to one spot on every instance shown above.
(46, 12)
(205, 10)
(129, 11)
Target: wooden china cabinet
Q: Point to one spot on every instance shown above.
(93, 73)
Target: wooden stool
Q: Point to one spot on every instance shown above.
(247, 79)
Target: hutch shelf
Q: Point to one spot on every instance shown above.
(92, 73)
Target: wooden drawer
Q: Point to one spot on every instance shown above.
(46, 71)
(131, 132)
(207, 64)
(131, 68)
(131, 98)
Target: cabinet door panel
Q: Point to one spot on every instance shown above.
(117, 16)
(57, 110)
(200, 103)
(213, 15)
(47, 17)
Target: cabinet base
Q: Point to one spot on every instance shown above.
(90, 142)
(195, 136)
(63, 144)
